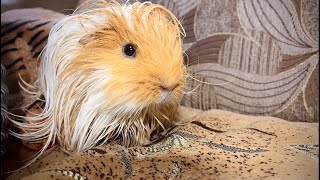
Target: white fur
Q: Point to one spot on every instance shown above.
(78, 111)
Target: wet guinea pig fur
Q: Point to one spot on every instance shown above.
(111, 72)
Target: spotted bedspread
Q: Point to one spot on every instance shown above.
(208, 145)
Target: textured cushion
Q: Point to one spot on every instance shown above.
(210, 145)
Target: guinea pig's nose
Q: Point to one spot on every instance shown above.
(168, 87)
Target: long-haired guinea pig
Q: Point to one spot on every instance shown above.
(112, 72)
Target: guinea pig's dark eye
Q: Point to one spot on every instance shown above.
(129, 50)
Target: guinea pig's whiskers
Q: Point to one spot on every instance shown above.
(192, 91)
(213, 84)
(198, 63)
(197, 60)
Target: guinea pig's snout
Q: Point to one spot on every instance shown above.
(169, 88)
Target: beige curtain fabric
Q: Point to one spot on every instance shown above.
(255, 57)
(250, 57)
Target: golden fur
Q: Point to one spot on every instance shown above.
(93, 92)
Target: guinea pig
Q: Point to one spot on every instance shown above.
(112, 72)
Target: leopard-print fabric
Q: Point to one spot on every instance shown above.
(210, 145)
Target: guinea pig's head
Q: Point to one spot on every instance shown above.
(140, 48)
(115, 71)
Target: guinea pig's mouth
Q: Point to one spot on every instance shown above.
(165, 97)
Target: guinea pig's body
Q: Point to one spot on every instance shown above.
(114, 72)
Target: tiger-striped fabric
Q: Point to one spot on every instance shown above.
(24, 34)
(4, 120)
